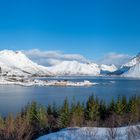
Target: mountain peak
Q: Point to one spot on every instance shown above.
(11, 52)
(13, 61)
(75, 68)
(138, 55)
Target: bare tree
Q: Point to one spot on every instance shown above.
(23, 130)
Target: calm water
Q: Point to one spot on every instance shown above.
(13, 97)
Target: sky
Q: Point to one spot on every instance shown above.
(95, 29)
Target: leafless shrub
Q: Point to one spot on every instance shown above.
(23, 130)
(9, 127)
(18, 129)
(111, 132)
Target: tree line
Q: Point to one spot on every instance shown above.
(35, 120)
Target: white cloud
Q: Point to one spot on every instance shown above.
(48, 58)
(52, 57)
(115, 58)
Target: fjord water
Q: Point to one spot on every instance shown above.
(13, 97)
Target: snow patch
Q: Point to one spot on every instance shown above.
(90, 133)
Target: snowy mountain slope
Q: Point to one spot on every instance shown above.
(133, 61)
(133, 71)
(75, 68)
(133, 68)
(105, 69)
(8, 71)
(124, 68)
(16, 63)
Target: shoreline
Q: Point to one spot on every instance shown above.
(35, 82)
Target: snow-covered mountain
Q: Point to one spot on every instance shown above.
(133, 61)
(75, 68)
(17, 64)
(130, 69)
(105, 69)
(134, 71)
(126, 67)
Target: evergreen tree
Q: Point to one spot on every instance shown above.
(103, 110)
(112, 106)
(92, 109)
(119, 107)
(64, 116)
(134, 110)
(77, 115)
(42, 117)
(1, 123)
(55, 110)
(73, 105)
(124, 104)
(31, 113)
(49, 110)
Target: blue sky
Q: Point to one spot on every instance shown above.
(92, 28)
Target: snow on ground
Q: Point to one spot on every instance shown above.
(31, 82)
(93, 133)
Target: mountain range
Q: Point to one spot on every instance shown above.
(16, 63)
